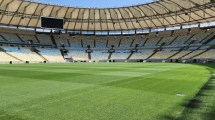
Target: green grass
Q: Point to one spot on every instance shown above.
(100, 91)
(202, 106)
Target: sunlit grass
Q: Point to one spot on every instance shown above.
(98, 91)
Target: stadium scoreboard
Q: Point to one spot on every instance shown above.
(52, 23)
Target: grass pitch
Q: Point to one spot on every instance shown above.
(99, 91)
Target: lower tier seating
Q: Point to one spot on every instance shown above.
(142, 54)
(78, 55)
(23, 54)
(164, 54)
(6, 58)
(52, 55)
(99, 55)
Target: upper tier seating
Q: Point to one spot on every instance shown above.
(198, 38)
(61, 41)
(113, 41)
(126, 42)
(181, 40)
(26, 38)
(166, 40)
(139, 41)
(152, 41)
(75, 43)
(87, 42)
(44, 39)
(100, 43)
(11, 37)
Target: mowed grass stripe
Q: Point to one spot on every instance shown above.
(90, 95)
(114, 93)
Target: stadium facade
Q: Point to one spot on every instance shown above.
(158, 31)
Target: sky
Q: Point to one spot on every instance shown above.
(96, 3)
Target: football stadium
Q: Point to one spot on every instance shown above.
(118, 60)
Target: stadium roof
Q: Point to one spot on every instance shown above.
(163, 13)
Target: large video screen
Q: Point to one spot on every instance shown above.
(52, 23)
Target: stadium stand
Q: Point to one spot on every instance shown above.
(121, 55)
(164, 54)
(78, 55)
(189, 46)
(101, 43)
(110, 39)
(11, 37)
(6, 58)
(207, 55)
(142, 54)
(44, 39)
(52, 55)
(99, 55)
(23, 54)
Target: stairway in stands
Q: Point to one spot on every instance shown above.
(184, 48)
(155, 51)
(130, 55)
(199, 54)
(174, 54)
(209, 39)
(53, 41)
(20, 38)
(37, 39)
(41, 56)
(13, 56)
(173, 40)
(89, 55)
(109, 56)
(38, 53)
(3, 38)
(1, 49)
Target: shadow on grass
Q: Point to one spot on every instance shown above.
(211, 115)
(202, 106)
(5, 116)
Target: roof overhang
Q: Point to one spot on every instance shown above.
(164, 13)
